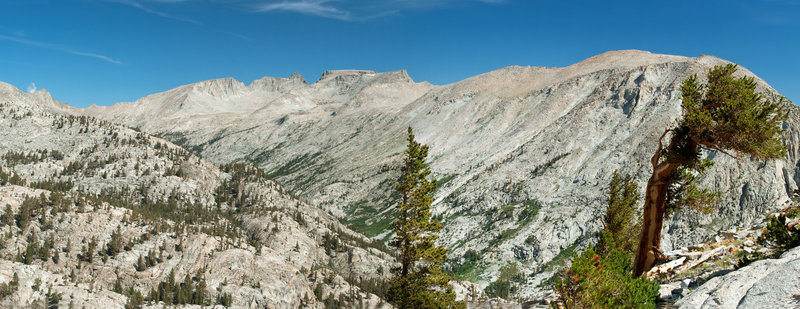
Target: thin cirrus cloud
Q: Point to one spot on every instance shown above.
(58, 48)
(364, 10)
(345, 10)
(147, 9)
(321, 8)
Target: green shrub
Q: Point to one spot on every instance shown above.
(601, 276)
(604, 282)
(471, 260)
(505, 285)
(779, 235)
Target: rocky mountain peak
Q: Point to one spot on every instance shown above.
(349, 76)
(219, 87)
(8, 89)
(40, 99)
(268, 83)
(334, 73)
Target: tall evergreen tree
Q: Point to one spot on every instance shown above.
(621, 227)
(115, 245)
(25, 213)
(8, 216)
(725, 114)
(419, 281)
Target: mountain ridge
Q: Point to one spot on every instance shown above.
(522, 153)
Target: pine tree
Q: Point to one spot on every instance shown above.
(89, 253)
(135, 299)
(140, 265)
(8, 216)
(419, 281)
(25, 214)
(199, 295)
(115, 245)
(14, 281)
(725, 114)
(118, 286)
(621, 227)
(30, 251)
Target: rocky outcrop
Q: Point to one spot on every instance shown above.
(771, 283)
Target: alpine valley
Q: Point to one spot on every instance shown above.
(280, 193)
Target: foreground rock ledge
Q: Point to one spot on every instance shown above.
(772, 283)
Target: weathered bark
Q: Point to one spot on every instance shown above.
(653, 217)
(655, 200)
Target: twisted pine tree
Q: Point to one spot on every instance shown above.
(725, 114)
(419, 281)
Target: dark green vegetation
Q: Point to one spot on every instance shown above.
(10, 287)
(469, 266)
(621, 225)
(505, 285)
(445, 179)
(419, 281)
(331, 301)
(724, 114)
(191, 291)
(780, 235)
(600, 276)
(527, 212)
(466, 269)
(365, 218)
(540, 169)
(13, 158)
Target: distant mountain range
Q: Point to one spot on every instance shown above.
(523, 155)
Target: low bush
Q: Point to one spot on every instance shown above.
(601, 276)
(779, 235)
(595, 281)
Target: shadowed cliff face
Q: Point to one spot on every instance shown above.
(523, 154)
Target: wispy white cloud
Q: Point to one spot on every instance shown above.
(345, 10)
(321, 8)
(239, 35)
(59, 48)
(356, 10)
(147, 9)
(31, 88)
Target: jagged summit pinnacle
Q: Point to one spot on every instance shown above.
(386, 77)
(296, 75)
(332, 73)
(279, 84)
(41, 98)
(219, 87)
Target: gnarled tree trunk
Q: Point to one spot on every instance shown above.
(655, 200)
(653, 217)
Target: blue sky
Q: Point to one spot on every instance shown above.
(108, 51)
